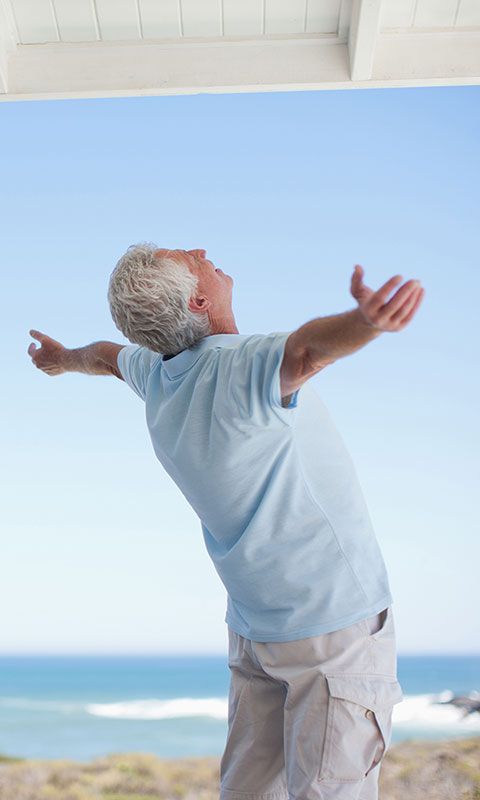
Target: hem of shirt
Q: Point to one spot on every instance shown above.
(312, 630)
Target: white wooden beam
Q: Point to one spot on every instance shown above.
(363, 32)
(107, 69)
(8, 42)
(344, 16)
(445, 58)
(176, 67)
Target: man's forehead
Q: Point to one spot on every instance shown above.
(162, 252)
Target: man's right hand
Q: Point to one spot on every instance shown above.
(393, 315)
(50, 357)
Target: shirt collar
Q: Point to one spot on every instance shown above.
(184, 360)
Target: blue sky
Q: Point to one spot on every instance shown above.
(286, 191)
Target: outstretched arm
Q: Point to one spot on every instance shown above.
(322, 341)
(99, 358)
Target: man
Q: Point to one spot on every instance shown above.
(255, 452)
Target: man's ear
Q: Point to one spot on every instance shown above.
(199, 304)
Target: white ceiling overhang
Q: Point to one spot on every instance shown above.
(107, 48)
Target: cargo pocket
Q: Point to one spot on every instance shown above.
(359, 722)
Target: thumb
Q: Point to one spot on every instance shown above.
(358, 270)
(32, 349)
(356, 281)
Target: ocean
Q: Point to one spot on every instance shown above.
(81, 707)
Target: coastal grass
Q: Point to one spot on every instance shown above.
(415, 769)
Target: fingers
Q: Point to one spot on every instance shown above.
(47, 355)
(379, 297)
(38, 335)
(43, 338)
(383, 313)
(402, 304)
(409, 301)
(404, 296)
(419, 297)
(33, 352)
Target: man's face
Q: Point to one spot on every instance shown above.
(214, 286)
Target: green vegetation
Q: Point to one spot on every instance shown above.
(414, 769)
(10, 759)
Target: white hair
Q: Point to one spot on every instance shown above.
(148, 297)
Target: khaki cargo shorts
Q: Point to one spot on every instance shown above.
(310, 719)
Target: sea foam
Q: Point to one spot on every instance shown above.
(216, 707)
(431, 711)
(421, 711)
(415, 711)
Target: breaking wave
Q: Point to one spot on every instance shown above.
(421, 711)
(216, 707)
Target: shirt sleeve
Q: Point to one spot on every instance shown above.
(135, 363)
(253, 378)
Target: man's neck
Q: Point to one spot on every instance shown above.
(222, 324)
(213, 333)
(222, 328)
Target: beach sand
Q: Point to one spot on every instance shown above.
(412, 769)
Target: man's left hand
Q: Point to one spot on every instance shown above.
(50, 356)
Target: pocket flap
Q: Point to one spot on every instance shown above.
(371, 691)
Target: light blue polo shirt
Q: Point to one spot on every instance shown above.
(281, 509)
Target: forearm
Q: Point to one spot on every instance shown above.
(326, 339)
(98, 358)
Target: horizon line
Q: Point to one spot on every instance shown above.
(214, 654)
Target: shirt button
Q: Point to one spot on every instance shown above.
(369, 714)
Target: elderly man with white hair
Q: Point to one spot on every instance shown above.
(235, 423)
